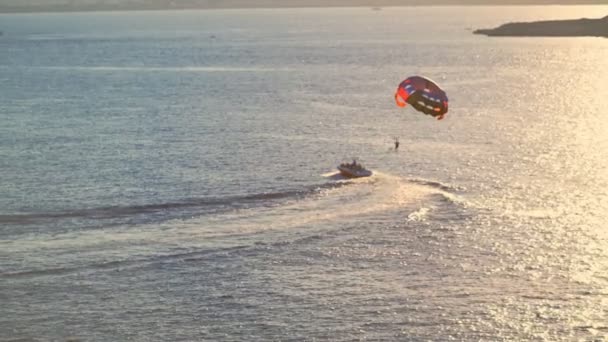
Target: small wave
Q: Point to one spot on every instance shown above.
(436, 184)
(119, 264)
(446, 192)
(418, 215)
(199, 205)
(535, 213)
(452, 198)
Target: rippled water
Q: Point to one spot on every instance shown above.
(170, 176)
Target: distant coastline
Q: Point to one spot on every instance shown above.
(554, 28)
(33, 6)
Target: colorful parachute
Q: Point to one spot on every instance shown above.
(424, 95)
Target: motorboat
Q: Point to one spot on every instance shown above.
(353, 170)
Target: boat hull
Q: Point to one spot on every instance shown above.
(352, 173)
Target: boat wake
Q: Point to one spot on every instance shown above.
(231, 222)
(158, 212)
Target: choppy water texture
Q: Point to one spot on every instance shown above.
(169, 176)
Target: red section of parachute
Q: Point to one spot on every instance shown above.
(424, 95)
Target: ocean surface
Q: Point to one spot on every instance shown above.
(170, 176)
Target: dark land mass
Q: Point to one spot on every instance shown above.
(553, 28)
(16, 6)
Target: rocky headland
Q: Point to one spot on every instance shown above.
(552, 28)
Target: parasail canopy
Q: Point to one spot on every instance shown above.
(424, 95)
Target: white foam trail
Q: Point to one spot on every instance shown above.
(365, 197)
(453, 198)
(332, 175)
(418, 215)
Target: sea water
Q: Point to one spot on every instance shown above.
(170, 176)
